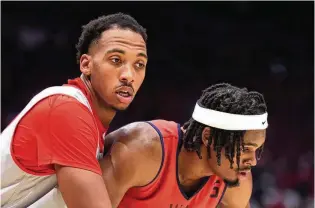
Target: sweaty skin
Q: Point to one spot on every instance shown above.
(135, 158)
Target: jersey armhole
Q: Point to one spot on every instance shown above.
(163, 156)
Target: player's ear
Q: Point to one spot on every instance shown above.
(86, 64)
(205, 135)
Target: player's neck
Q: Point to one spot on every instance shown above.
(190, 167)
(104, 112)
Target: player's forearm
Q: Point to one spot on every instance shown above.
(81, 188)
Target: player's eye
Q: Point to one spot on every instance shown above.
(140, 65)
(246, 149)
(115, 60)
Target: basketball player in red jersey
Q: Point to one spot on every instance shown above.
(60, 132)
(205, 163)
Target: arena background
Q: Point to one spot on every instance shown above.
(265, 46)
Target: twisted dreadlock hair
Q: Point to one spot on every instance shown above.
(229, 99)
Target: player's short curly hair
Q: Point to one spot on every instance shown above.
(92, 31)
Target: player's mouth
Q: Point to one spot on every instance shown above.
(125, 94)
(242, 174)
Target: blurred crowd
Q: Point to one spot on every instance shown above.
(268, 47)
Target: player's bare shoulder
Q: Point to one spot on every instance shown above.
(137, 135)
(142, 137)
(139, 145)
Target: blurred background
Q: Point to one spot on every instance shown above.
(264, 46)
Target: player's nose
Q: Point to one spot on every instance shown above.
(251, 160)
(127, 74)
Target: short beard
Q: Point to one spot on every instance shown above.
(231, 184)
(118, 109)
(106, 105)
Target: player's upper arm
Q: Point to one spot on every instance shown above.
(74, 138)
(67, 141)
(238, 197)
(134, 159)
(59, 135)
(71, 138)
(57, 130)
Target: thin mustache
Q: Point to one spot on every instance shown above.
(126, 85)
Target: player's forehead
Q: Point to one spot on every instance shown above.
(255, 137)
(122, 38)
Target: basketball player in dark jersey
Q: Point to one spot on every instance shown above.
(204, 163)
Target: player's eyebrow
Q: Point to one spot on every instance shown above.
(115, 50)
(143, 55)
(250, 144)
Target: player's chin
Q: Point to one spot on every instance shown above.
(232, 181)
(120, 103)
(120, 106)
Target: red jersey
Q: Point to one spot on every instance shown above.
(165, 190)
(58, 130)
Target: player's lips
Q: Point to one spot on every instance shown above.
(242, 174)
(125, 90)
(125, 94)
